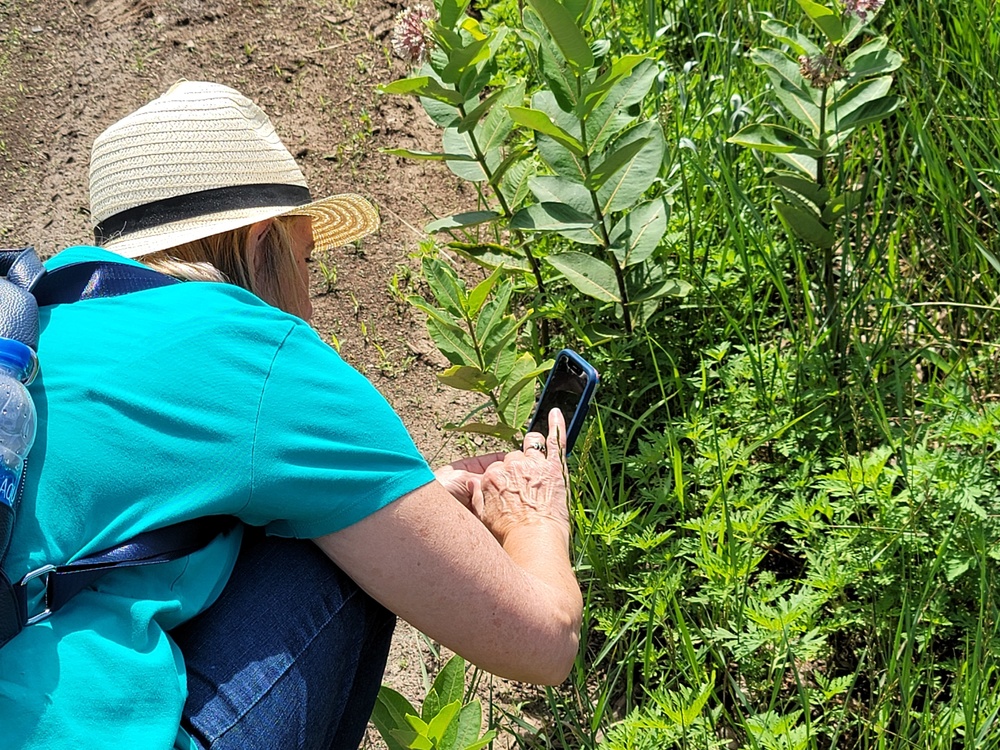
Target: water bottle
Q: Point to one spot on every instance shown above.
(18, 366)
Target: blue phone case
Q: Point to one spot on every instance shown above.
(574, 421)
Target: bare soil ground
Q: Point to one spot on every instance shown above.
(70, 68)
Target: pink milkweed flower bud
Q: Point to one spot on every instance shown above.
(411, 39)
(861, 8)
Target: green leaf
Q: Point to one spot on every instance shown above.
(450, 11)
(869, 112)
(853, 99)
(514, 173)
(600, 332)
(502, 431)
(789, 86)
(542, 123)
(559, 159)
(791, 36)
(852, 27)
(503, 95)
(493, 131)
(637, 235)
(766, 136)
(440, 723)
(464, 730)
(595, 93)
(461, 60)
(423, 86)
(446, 40)
(825, 19)
(796, 101)
(581, 10)
(872, 58)
(501, 338)
(452, 344)
(411, 739)
(990, 257)
(556, 73)
(481, 291)
(612, 115)
(441, 316)
(662, 288)
(627, 185)
(418, 724)
(468, 378)
(425, 155)
(550, 217)
(486, 740)
(494, 323)
(840, 205)
(445, 115)
(432, 705)
(450, 681)
(556, 189)
(562, 26)
(503, 363)
(588, 274)
(447, 288)
(491, 255)
(616, 160)
(468, 168)
(524, 373)
(470, 121)
(806, 189)
(467, 219)
(807, 165)
(390, 713)
(805, 225)
(475, 79)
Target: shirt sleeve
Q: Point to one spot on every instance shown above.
(328, 449)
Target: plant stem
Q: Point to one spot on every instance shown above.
(481, 158)
(619, 274)
(536, 269)
(829, 293)
(615, 265)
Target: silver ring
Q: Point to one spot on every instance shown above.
(538, 446)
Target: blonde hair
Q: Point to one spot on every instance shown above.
(226, 257)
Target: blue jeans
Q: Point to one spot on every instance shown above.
(290, 656)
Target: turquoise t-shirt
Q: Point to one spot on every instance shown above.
(156, 407)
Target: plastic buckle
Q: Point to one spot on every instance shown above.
(42, 571)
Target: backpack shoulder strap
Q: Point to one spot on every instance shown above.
(94, 279)
(27, 285)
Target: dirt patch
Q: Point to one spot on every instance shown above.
(70, 68)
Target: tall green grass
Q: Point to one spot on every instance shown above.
(777, 553)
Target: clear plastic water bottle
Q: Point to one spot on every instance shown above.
(18, 366)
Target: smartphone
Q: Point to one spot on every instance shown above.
(570, 387)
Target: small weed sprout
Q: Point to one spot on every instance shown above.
(328, 271)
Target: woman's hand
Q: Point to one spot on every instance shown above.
(528, 487)
(513, 610)
(461, 478)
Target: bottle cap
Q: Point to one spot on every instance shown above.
(18, 358)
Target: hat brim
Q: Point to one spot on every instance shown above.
(336, 221)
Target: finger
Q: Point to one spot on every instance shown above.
(556, 441)
(476, 499)
(534, 444)
(477, 464)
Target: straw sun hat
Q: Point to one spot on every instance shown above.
(200, 160)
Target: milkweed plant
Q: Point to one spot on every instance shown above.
(828, 91)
